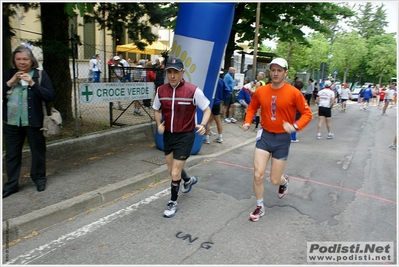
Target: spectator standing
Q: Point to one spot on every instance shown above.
(321, 84)
(150, 77)
(278, 102)
(91, 66)
(245, 94)
(315, 91)
(394, 97)
(381, 97)
(325, 99)
(222, 92)
(335, 88)
(367, 95)
(178, 127)
(23, 118)
(376, 95)
(159, 72)
(139, 75)
(228, 103)
(345, 95)
(309, 91)
(97, 68)
(389, 93)
(117, 74)
(249, 72)
(295, 80)
(110, 61)
(299, 86)
(361, 96)
(126, 69)
(260, 82)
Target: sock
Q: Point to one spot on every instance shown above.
(184, 176)
(206, 137)
(220, 136)
(259, 202)
(174, 189)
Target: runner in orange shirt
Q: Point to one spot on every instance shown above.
(278, 101)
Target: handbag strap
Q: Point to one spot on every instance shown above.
(43, 103)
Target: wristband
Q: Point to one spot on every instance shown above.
(295, 127)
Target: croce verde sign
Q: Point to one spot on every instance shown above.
(93, 93)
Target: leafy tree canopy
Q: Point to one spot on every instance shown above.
(137, 18)
(369, 22)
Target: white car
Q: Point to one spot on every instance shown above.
(355, 94)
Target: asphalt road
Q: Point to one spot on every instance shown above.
(341, 190)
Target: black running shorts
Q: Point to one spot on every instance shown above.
(325, 112)
(216, 109)
(178, 143)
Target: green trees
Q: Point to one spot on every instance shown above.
(281, 21)
(349, 51)
(381, 59)
(360, 50)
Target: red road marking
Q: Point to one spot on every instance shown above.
(315, 182)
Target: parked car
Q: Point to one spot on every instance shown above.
(355, 94)
(365, 85)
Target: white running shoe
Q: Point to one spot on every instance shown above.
(171, 210)
(233, 120)
(319, 136)
(330, 136)
(219, 140)
(226, 120)
(283, 189)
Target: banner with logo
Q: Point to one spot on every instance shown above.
(201, 35)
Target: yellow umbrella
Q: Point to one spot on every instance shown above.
(155, 48)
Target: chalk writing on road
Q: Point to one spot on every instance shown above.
(205, 245)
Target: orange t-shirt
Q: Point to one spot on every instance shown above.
(277, 106)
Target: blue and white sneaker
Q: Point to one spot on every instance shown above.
(186, 187)
(171, 210)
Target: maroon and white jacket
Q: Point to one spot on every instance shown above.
(179, 105)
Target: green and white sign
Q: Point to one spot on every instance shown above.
(94, 93)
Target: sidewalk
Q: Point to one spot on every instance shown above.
(92, 173)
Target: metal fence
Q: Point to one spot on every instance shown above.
(91, 118)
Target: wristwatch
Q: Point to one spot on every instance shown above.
(295, 126)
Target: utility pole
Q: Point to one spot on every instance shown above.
(256, 41)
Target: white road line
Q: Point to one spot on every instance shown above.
(41, 251)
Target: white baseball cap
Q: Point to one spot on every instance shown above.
(281, 62)
(327, 83)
